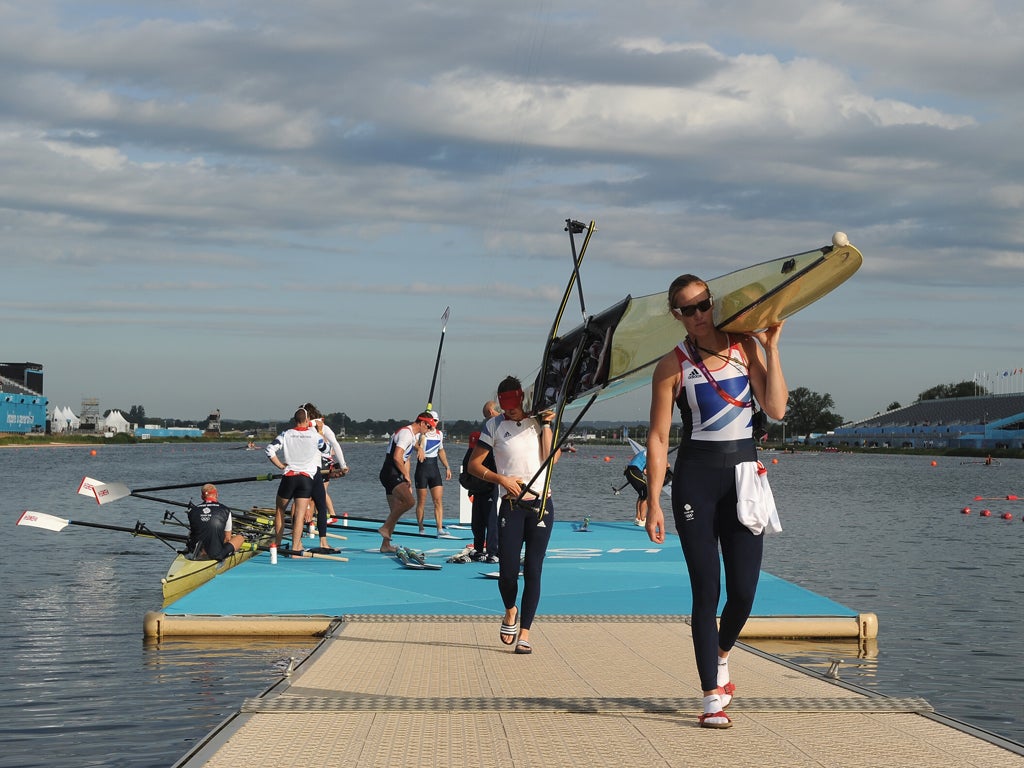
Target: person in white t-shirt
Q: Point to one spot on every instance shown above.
(521, 446)
(297, 452)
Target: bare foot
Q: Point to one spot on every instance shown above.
(387, 548)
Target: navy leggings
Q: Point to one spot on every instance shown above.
(704, 508)
(483, 512)
(319, 497)
(518, 526)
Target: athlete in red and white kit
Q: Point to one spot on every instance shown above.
(302, 449)
(395, 477)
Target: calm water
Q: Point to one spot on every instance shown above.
(877, 533)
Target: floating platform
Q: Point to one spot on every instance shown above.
(610, 569)
(410, 691)
(411, 671)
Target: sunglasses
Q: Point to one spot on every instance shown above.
(691, 309)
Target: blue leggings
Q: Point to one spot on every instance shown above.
(704, 508)
(517, 527)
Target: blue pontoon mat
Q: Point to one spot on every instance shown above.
(611, 569)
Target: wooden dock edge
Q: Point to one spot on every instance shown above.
(863, 626)
(160, 625)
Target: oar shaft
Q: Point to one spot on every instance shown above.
(204, 482)
(374, 530)
(138, 530)
(437, 360)
(305, 553)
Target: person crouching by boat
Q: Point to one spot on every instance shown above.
(395, 478)
(521, 445)
(302, 449)
(713, 377)
(209, 528)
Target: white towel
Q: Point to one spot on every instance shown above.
(755, 504)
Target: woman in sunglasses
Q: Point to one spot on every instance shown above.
(713, 377)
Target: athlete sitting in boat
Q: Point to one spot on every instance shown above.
(210, 536)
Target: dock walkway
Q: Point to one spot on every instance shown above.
(393, 690)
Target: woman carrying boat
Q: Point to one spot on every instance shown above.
(713, 377)
(520, 445)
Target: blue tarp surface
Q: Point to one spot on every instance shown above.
(611, 569)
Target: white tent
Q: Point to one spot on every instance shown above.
(116, 423)
(73, 421)
(64, 420)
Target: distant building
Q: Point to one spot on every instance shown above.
(151, 430)
(213, 424)
(22, 414)
(992, 421)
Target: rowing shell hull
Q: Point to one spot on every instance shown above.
(186, 575)
(623, 342)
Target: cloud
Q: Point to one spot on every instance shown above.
(346, 171)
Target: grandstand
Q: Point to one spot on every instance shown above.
(992, 421)
(21, 378)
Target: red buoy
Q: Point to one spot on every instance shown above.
(935, 463)
(1006, 516)
(965, 511)
(985, 513)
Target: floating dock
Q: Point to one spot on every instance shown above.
(608, 569)
(411, 672)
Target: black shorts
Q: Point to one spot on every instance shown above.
(295, 487)
(638, 480)
(390, 476)
(428, 474)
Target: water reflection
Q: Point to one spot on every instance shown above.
(858, 658)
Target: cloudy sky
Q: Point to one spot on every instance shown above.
(245, 205)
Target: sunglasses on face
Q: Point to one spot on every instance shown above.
(689, 310)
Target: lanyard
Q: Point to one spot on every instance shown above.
(696, 360)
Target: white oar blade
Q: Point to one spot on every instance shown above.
(85, 488)
(42, 520)
(108, 492)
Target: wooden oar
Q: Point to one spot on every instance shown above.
(104, 493)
